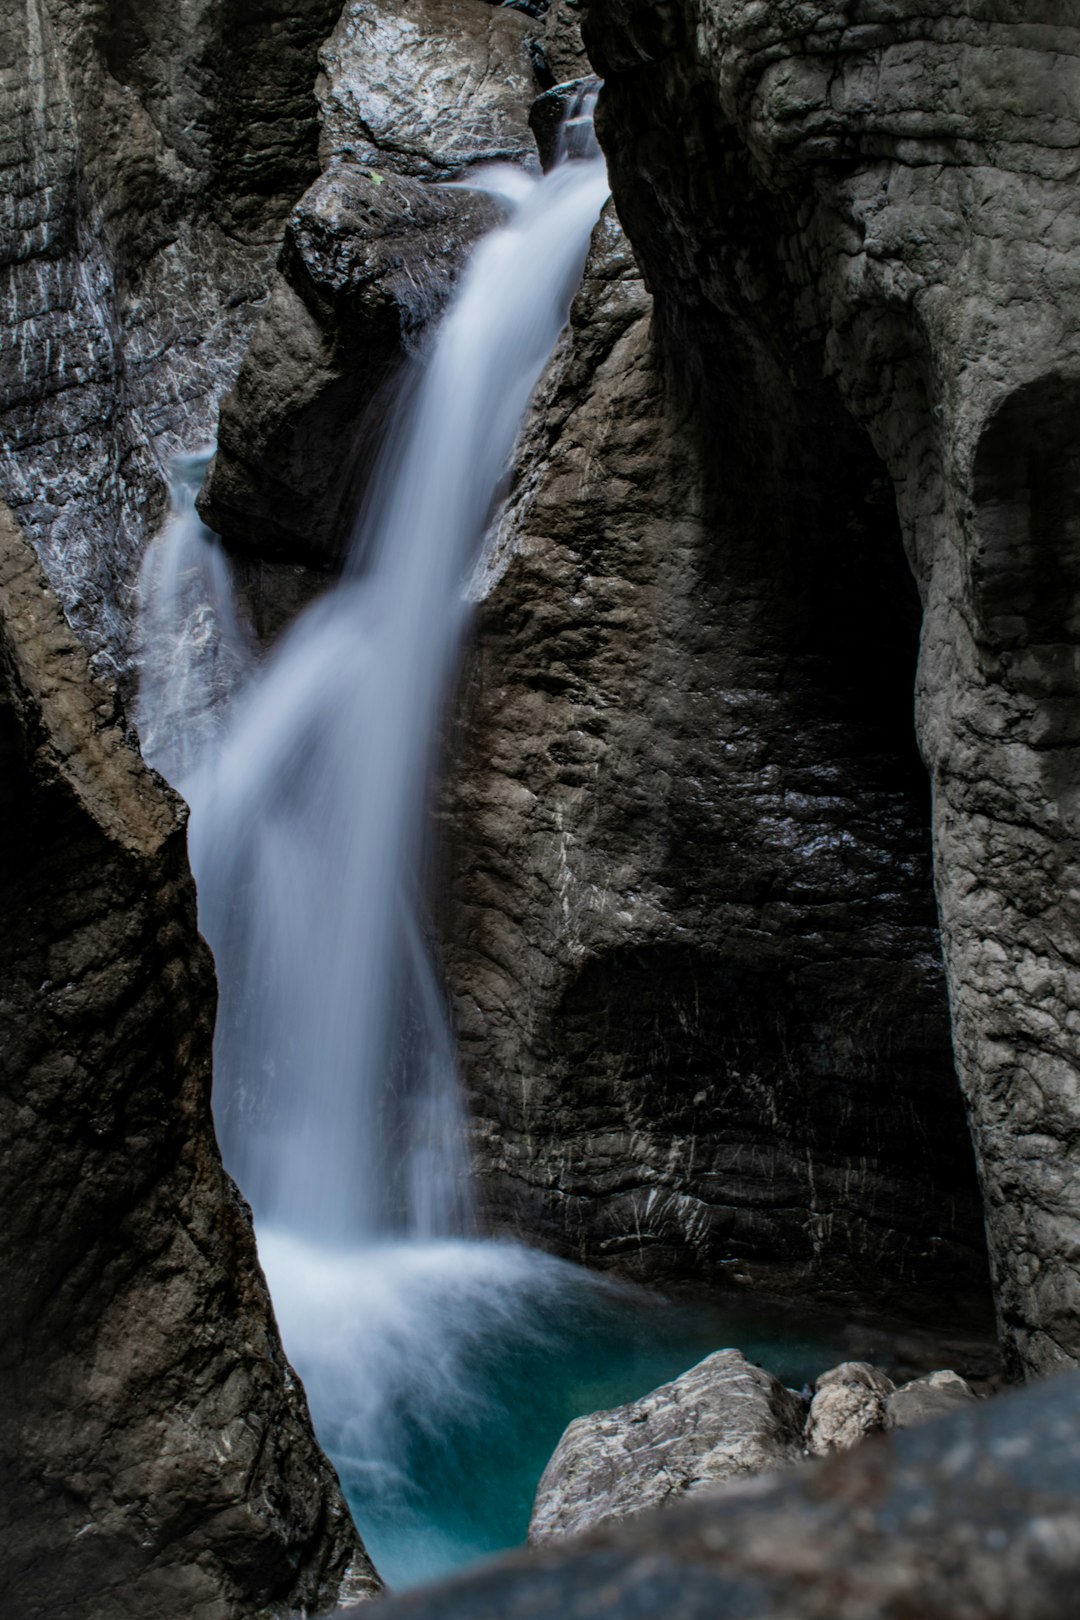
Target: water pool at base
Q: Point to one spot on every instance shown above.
(441, 1376)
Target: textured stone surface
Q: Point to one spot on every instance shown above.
(560, 48)
(972, 1518)
(926, 1398)
(156, 1454)
(368, 259)
(721, 1420)
(690, 930)
(148, 157)
(427, 87)
(724, 1419)
(414, 92)
(850, 1402)
(886, 196)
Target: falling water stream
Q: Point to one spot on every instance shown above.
(441, 1367)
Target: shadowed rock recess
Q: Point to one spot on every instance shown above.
(156, 1453)
(691, 932)
(878, 204)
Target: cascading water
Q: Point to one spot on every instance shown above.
(336, 1092)
(441, 1370)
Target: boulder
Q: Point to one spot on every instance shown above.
(721, 1420)
(427, 87)
(923, 1399)
(850, 1401)
(724, 1419)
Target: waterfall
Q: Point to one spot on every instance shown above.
(336, 1094)
(441, 1368)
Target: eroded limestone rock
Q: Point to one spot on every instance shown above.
(850, 1402)
(924, 1399)
(426, 87)
(890, 201)
(149, 157)
(724, 1419)
(156, 1452)
(690, 933)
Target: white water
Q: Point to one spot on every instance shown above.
(335, 1087)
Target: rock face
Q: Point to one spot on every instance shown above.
(691, 931)
(148, 159)
(156, 1451)
(976, 1515)
(411, 95)
(721, 1420)
(857, 207)
(691, 938)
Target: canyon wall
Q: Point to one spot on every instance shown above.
(881, 200)
(808, 447)
(156, 1453)
(691, 932)
(156, 1450)
(148, 159)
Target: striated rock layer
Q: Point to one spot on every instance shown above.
(691, 931)
(879, 205)
(156, 1453)
(148, 157)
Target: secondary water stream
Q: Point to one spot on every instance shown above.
(441, 1368)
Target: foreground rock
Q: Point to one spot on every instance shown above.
(722, 1419)
(156, 1453)
(837, 205)
(977, 1516)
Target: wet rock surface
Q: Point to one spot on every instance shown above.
(411, 95)
(690, 932)
(427, 87)
(973, 1515)
(860, 200)
(156, 1453)
(368, 259)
